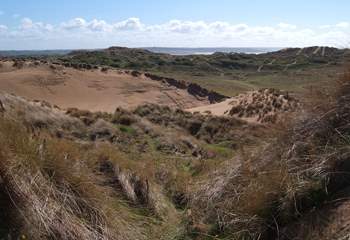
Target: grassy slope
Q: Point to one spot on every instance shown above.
(266, 195)
(59, 195)
(46, 155)
(229, 74)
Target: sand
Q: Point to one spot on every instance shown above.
(90, 89)
(217, 109)
(264, 105)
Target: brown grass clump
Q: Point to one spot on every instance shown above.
(55, 190)
(87, 117)
(265, 105)
(18, 64)
(211, 129)
(39, 200)
(238, 200)
(38, 115)
(76, 196)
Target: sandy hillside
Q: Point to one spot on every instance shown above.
(264, 105)
(218, 109)
(92, 90)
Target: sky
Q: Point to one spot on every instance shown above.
(78, 24)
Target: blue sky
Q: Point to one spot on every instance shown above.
(191, 23)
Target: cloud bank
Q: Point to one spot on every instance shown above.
(132, 32)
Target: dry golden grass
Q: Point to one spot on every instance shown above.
(59, 192)
(256, 195)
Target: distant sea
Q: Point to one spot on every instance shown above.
(208, 51)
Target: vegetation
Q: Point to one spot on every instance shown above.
(228, 73)
(162, 173)
(258, 196)
(116, 164)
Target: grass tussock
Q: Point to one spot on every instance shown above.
(35, 181)
(58, 191)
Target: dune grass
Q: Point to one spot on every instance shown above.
(257, 195)
(58, 191)
(73, 188)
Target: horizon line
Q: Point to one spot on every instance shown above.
(72, 49)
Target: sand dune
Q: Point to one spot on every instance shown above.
(217, 109)
(90, 89)
(264, 105)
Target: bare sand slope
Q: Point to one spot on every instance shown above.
(265, 105)
(90, 89)
(217, 109)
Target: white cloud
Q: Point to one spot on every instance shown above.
(287, 26)
(3, 30)
(97, 33)
(28, 24)
(74, 23)
(82, 25)
(99, 25)
(240, 28)
(219, 26)
(185, 26)
(325, 26)
(129, 24)
(343, 25)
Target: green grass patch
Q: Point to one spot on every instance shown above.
(127, 129)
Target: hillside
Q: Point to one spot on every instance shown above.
(229, 73)
(108, 176)
(145, 60)
(264, 105)
(98, 89)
